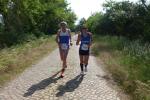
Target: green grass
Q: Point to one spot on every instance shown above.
(16, 59)
(128, 61)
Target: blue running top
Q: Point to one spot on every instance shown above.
(64, 37)
(85, 41)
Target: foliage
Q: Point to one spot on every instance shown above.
(124, 18)
(128, 62)
(32, 16)
(80, 24)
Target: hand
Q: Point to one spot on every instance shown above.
(58, 45)
(89, 45)
(77, 43)
(71, 43)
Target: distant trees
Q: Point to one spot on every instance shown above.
(32, 17)
(125, 18)
(80, 23)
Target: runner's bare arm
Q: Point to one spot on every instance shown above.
(57, 35)
(91, 39)
(78, 39)
(70, 37)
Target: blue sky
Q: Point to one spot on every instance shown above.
(84, 8)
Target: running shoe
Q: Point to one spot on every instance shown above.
(82, 73)
(61, 76)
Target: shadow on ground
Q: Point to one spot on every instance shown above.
(70, 86)
(42, 85)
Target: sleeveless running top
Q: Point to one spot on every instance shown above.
(85, 41)
(64, 38)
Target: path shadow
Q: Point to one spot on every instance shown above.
(42, 85)
(70, 86)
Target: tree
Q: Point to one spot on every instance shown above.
(33, 17)
(125, 18)
(80, 24)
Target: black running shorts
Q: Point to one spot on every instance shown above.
(83, 52)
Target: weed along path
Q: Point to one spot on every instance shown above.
(40, 82)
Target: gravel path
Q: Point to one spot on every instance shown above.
(39, 82)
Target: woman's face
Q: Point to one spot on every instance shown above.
(63, 26)
(84, 30)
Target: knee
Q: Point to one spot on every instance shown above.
(81, 61)
(86, 62)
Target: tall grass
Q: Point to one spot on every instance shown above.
(15, 59)
(129, 63)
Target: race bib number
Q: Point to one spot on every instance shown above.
(64, 46)
(84, 47)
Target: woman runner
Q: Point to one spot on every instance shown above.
(63, 39)
(85, 38)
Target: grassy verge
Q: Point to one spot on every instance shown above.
(16, 59)
(129, 63)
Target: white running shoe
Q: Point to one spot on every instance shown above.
(82, 73)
